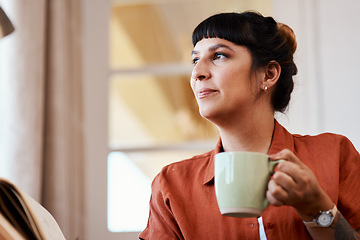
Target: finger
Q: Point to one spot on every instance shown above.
(285, 181)
(287, 155)
(294, 180)
(300, 174)
(273, 201)
(276, 194)
(291, 170)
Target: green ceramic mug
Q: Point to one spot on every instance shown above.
(241, 180)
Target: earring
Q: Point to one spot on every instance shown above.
(265, 88)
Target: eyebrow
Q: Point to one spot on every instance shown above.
(213, 48)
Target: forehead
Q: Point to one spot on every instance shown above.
(208, 45)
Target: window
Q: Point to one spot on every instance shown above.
(153, 116)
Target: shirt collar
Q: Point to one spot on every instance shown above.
(281, 139)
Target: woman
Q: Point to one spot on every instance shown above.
(243, 69)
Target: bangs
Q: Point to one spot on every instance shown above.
(224, 26)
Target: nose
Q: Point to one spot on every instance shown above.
(200, 71)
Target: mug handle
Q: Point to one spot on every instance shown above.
(272, 165)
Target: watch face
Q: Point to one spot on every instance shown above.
(325, 219)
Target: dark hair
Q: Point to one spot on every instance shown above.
(266, 39)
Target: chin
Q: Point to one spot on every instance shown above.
(208, 115)
(216, 117)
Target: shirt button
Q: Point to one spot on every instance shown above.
(270, 225)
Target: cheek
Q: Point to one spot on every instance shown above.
(192, 85)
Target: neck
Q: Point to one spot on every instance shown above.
(252, 134)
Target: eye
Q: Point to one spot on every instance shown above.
(195, 60)
(220, 55)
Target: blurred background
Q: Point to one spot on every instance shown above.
(95, 97)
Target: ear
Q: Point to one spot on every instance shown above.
(271, 74)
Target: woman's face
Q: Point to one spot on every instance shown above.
(221, 79)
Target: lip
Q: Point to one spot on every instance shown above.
(205, 92)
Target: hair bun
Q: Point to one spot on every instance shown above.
(289, 35)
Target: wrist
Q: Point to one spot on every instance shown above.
(311, 210)
(324, 218)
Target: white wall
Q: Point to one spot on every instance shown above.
(340, 64)
(326, 97)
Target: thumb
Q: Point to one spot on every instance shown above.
(287, 155)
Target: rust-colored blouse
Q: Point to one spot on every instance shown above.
(183, 203)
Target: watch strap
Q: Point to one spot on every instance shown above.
(314, 222)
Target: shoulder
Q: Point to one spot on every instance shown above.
(188, 166)
(323, 139)
(183, 172)
(326, 146)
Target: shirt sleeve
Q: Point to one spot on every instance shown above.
(349, 183)
(161, 224)
(153, 234)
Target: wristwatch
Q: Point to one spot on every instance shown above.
(324, 219)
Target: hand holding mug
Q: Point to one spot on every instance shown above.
(294, 184)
